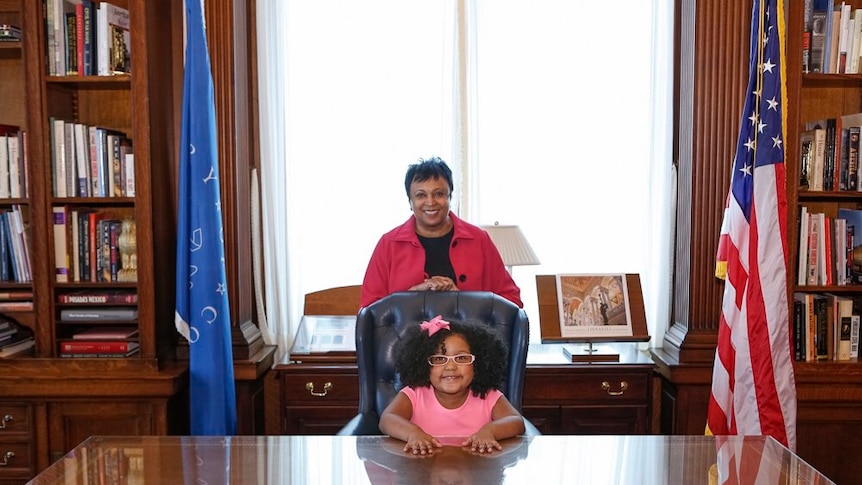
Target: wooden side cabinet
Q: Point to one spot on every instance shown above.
(589, 398)
(320, 396)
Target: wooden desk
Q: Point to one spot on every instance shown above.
(377, 460)
(319, 394)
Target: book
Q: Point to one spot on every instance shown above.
(98, 355)
(98, 296)
(97, 347)
(4, 167)
(115, 46)
(844, 339)
(854, 336)
(107, 333)
(15, 164)
(854, 251)
(98, 314)
(806, 157)
(10, 33)
(818, 40)
(18, 348)
(16, 295)
(61, 245)
(853, 135)
(16, 306)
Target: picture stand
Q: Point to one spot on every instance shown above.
(590, 353)
(583, 339)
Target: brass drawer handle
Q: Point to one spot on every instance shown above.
(607, 388)
(5, 420)
(7, 459)
(326, 388)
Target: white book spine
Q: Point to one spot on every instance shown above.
(4, 167)
(14, 167)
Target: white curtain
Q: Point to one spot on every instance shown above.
(550, 119)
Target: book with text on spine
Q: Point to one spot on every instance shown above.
(98, 347)
(99, 313)
(97, 296)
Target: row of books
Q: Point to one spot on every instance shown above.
(91, 161)
(87, 246)
(15, 339)
(87, 38)
(828, 252)
(825, 327)
(14, 178)
(829, 154)
(101, 341)
(14, 246)
(832, 37)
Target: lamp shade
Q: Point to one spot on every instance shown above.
(513, 246)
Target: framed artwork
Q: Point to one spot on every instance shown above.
(591, 308)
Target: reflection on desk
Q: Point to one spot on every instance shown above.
(376, 460)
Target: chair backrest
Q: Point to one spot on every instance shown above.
(343, 300)
(382, 324)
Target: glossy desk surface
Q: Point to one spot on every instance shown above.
(636, 460)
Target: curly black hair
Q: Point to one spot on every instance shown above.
(427, 169)
(416, 346)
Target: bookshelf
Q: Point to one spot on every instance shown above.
(828, 391)
(57, 402)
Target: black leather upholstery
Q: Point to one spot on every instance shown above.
(380, 325)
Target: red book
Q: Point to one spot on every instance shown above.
(97, 347)
(96, 296)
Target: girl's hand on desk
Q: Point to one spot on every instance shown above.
(421, 443)
(482, 442)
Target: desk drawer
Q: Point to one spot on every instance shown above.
(320, 388)
(16, 460)
(14, 420)
(609, 387)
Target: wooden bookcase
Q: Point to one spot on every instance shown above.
(57, 402)
(829, 393)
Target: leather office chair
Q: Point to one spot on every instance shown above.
(380, 325)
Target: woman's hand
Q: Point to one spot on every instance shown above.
(436, 283)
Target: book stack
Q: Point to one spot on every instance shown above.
(102, 342)
(10, 33)
(15, 340)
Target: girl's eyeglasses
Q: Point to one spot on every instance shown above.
(460, 359)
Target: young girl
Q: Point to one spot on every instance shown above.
(452, 374)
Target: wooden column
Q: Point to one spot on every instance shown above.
(711, 77)
(231, 35)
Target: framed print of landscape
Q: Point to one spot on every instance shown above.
(591, 308)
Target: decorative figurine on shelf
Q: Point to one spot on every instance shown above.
(128, 252)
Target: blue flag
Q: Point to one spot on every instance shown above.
(202, 313)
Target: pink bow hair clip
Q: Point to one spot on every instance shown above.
(433, 325)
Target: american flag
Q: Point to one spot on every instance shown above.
(753, 385)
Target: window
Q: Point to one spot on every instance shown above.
(553, 116)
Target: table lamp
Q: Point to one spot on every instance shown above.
(512, 245)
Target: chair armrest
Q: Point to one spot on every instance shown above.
(530, 429)
(363, 424)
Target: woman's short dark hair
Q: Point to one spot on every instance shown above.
(416, 346)
(431, 168)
